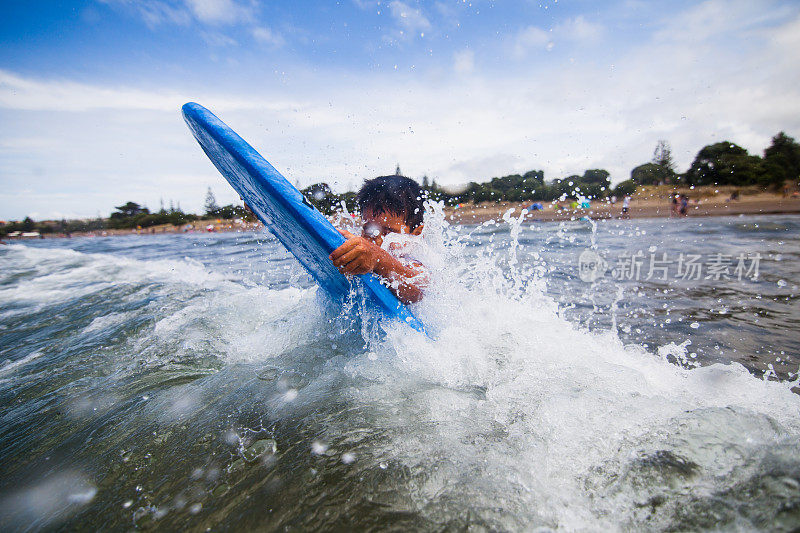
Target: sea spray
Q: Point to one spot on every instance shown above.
(570, 399)
(512, 415)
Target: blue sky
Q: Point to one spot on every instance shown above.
(90, 91)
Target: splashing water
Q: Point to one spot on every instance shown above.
(197, 381)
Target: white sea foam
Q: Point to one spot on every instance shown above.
(245, 324)
(9, 367)
(506, 405)
(560, 411)
(59, 275)
(106, 321)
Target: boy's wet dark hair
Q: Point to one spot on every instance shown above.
(393, 194)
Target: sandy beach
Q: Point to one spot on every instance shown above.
(649, 202)
(641, 206)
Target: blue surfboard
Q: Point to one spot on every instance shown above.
(288, 215)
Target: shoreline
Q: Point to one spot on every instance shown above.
(641, 206)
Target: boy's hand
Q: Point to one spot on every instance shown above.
(357, 255)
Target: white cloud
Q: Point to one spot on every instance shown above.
(579, 29)
(464, 62)
(154, 12)
(529, 38)
(219, 11)
(26, 94)
(718, 18)
(576, 30)
(410, 19)
(82, 147)
(268, 36)
(788, 35)
(214, 12)
(218, 39)
(448, 12)
(19, 93)
(367, 4)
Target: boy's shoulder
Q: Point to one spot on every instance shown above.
(412, 249)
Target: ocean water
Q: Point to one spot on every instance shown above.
(196, 381)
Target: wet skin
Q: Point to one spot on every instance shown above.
(361, 255)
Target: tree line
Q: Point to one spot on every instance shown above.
(722, 163)
(726, 163)
(132, 215)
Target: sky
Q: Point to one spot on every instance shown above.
(342, 91)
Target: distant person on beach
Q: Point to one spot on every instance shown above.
(684, 205)
(674, 210)
(626, 204)
(392, 211)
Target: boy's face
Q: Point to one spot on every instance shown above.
(378, 225)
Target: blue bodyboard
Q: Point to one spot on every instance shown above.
(288, 215)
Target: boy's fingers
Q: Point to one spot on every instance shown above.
(346, 234)
(343, 249)
(352, 263)
(359, 267)
(355, 267)
(346, 258)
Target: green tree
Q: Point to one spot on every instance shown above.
(724, 163)
(597, 176)
(651, 174)
(534, 177)
(660, 170)
(781, 160)
(625, 187)
(321, 197)
(571, 185)
(662, 156)
(130, 209)
(210, 203)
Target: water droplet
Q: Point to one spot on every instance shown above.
(318, 448)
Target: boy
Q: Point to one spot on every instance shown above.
(389, 204)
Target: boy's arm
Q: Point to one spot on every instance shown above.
(360, 256)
